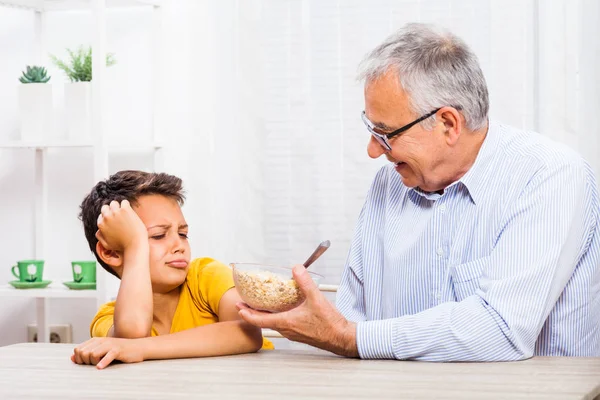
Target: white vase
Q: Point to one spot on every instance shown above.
(35, 111)
(78, 97)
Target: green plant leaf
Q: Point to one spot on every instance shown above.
(34, 74)
(79, 66)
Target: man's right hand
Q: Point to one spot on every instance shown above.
(119, 227)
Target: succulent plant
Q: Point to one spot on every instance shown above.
(79, 67)
(34, 74)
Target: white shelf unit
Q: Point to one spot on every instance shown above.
(73, 5)
(101, 149)
(122, 147)
(54, 290)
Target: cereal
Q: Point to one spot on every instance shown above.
(266, 291)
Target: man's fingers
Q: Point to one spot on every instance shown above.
(304, 281)
(259, 318)
(125, 204)
(248, 316)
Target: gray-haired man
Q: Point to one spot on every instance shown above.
(478, 242)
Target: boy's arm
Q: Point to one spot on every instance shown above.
(229, 336)
(122, 231)
(134, 305)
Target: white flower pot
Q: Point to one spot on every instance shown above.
(78, 98)
(35, 111)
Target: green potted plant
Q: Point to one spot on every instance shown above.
(78, 69)
(34, 74)
(35, 103)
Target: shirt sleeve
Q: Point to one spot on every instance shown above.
(209, 282)
(103, 320)
(213, 280)
(538, 248)
(350, 296)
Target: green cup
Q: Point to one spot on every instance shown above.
(84, 271)
(29, 270)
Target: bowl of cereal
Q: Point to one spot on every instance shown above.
(268, 287)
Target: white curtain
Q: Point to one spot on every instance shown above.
(277, 160)
(261, 110)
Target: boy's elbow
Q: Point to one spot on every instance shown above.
(133, 331)
(257, 343)
(255, 338)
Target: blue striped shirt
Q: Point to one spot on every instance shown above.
(502, 266)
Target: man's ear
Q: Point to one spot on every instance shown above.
(452, 124)
(112, 258)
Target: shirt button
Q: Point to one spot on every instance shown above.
(440, 251)
(442, 208)
(438, 296)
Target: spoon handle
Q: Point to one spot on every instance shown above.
(323, 246)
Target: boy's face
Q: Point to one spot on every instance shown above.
(167, 236)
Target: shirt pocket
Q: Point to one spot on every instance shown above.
(465, 277)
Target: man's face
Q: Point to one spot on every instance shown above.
(416, 152)
(167, 236)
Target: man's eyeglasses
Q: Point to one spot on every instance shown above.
(383, 138)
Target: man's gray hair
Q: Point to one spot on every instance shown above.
(435, 69)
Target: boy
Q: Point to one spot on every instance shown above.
(167, 306)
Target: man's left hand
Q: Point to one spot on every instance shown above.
(315, 322)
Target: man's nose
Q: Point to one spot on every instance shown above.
(374, 148)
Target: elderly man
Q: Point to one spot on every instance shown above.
(478, 242)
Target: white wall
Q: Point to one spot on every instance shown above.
(263, 117)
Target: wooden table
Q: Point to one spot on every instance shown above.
(44, 371)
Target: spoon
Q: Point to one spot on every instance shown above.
(321, 248)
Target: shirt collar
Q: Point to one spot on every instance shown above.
(475, 179)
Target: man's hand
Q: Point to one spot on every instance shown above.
(102, 351)
(315, 322)
(119, 227)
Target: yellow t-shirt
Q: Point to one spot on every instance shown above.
(206, 282)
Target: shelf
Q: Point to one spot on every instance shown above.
(73, 5)
(84, 144)
(55, 290)
(42, 145)
(97, 142)
(134, 147)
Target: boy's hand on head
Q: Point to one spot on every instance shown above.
(119, 227)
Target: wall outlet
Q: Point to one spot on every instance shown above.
(58, 333)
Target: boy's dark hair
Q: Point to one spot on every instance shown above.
(124, 185)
